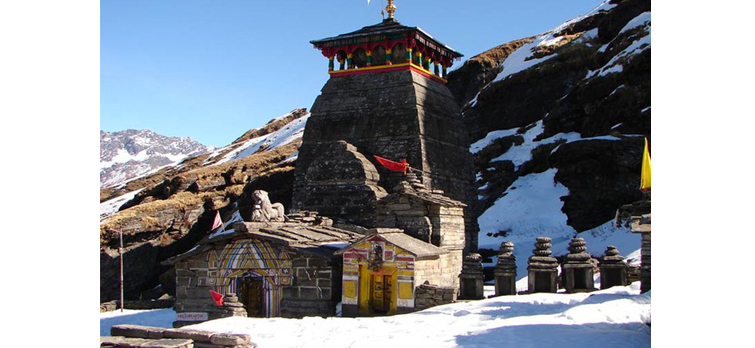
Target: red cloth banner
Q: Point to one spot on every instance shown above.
(393, 166)
(217, 297)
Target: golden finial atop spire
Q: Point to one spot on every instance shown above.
(390, 9)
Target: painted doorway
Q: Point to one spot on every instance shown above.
(251, 294)
(381, 293)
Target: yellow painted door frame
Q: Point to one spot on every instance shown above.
(367, 292)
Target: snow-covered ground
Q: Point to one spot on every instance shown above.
(615, 317)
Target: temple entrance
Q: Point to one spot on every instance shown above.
(251, 294)
(380, 299)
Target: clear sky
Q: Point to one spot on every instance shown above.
(212, 70)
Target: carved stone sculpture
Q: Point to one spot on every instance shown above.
(264, 210)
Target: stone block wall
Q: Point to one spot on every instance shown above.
(193, 289)
(340, 184)
(645, 263)
(315, 290)
(443, 271)
(449, 222)
(128, 336)
(429, 295)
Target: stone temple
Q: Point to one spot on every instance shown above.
(386, 97)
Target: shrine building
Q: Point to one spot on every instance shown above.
(386, 96)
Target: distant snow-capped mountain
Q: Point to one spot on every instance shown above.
(132, 153)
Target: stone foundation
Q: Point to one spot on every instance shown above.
(429, 295)
(127, 336)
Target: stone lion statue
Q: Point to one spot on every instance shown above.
(264, 210)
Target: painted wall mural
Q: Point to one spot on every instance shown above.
(251, 259)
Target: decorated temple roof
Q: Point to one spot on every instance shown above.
(386, 30)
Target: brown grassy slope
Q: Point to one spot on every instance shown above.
(151, 211)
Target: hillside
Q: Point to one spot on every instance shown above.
(165, 213)
(556, 123)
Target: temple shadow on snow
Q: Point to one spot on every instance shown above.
(634, 335)
(140, 317)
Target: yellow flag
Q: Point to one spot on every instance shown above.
(645, 177)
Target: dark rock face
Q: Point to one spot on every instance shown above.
(600, 175)
(594, 86)
(394, 115)
(479, 70)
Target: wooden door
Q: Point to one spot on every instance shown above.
(378, 294)
(381, 293)
(252, 297)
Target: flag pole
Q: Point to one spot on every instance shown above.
(120, 252)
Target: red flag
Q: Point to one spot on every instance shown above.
(217, 297)
(393, 166)
(218, 222)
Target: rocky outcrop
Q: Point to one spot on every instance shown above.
(576, 98)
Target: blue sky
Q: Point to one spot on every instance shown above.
(212, 70)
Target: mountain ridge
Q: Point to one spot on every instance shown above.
(131, 153)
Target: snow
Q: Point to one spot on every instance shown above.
(530, 207)
(283, 136)
(637, 46)
(520, 154)
(615, 317)
(111, 206)
(523, 58)
(157, 318)
(641, 20)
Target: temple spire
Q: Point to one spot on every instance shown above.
(390, 9)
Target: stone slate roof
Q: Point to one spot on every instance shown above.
(402, 240)
(317, 239)
(388, 27)
(419, 192)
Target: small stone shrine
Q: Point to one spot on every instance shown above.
(577, 270)
(278, 269)
(505, 270)
(542, 268)
(383, 270)
(613, 269)
(471, 278)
